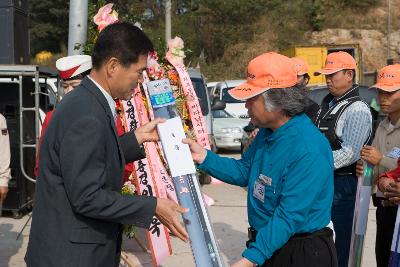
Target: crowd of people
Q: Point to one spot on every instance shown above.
(346, 122)
(301, 169)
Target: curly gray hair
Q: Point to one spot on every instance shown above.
(290, 101)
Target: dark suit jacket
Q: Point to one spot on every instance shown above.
(78, 208)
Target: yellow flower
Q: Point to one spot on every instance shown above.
(43, 57)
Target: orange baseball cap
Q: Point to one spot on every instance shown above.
(269, 70)
(300, 65)
(388, 78)
(337, 61)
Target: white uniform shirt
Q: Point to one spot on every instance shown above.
(5, 155)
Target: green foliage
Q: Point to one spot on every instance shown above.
(92, 28)
(48, 25)
(221, 34)
(315, 14)
(125, 12)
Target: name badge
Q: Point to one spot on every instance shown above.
(394, 153)
(265, 180)
(259, 191)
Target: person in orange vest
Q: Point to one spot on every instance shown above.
(72, 69)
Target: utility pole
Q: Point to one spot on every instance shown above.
(77, 31)
(388, 28)
(167, 21)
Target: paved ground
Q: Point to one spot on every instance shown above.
(228, 215)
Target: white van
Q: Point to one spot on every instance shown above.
(234, 107)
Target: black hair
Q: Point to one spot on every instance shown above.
(121, 40)
(80, 76)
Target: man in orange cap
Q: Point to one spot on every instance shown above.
(288, 169)
(302, 69)
(383, 153)
(346, 122)
(71, 69)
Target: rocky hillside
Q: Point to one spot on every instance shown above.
(366, 27)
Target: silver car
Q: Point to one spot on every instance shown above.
(228, 130)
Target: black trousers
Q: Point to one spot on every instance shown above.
(306, 250)
(385, 221)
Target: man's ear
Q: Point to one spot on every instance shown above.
(306, 80)
(350, 74)
(112, 66)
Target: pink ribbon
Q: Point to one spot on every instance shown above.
(196, 116)
(148, 185)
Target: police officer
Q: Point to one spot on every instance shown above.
(72, 69)
(5, 173)
(346, 122)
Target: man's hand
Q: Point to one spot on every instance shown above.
(359, 168)
(3, 192)
(393, 191)
(167, 212)
(371, 155)
(384, 183)
(148, 131)
(198, 152)
(243, 263)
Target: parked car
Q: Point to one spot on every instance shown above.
(234, 107)
(228, 130)
(210, 86)
(247, 136)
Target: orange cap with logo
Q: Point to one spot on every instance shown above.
(300, 65)
(388, 78)
(337, 61)
(269, 70)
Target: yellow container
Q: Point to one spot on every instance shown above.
(316, 55)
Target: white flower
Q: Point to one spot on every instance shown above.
(137, 24)
(175, 50)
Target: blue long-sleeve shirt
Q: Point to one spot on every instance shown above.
(296, 165)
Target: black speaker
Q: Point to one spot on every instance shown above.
(14, 46)
(21, 191)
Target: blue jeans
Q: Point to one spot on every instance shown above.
(345, 188)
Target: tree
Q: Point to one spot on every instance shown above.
(48, 25)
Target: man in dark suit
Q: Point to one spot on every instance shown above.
(78, 208)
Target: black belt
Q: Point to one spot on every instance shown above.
(341, 173)
(252, 233)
